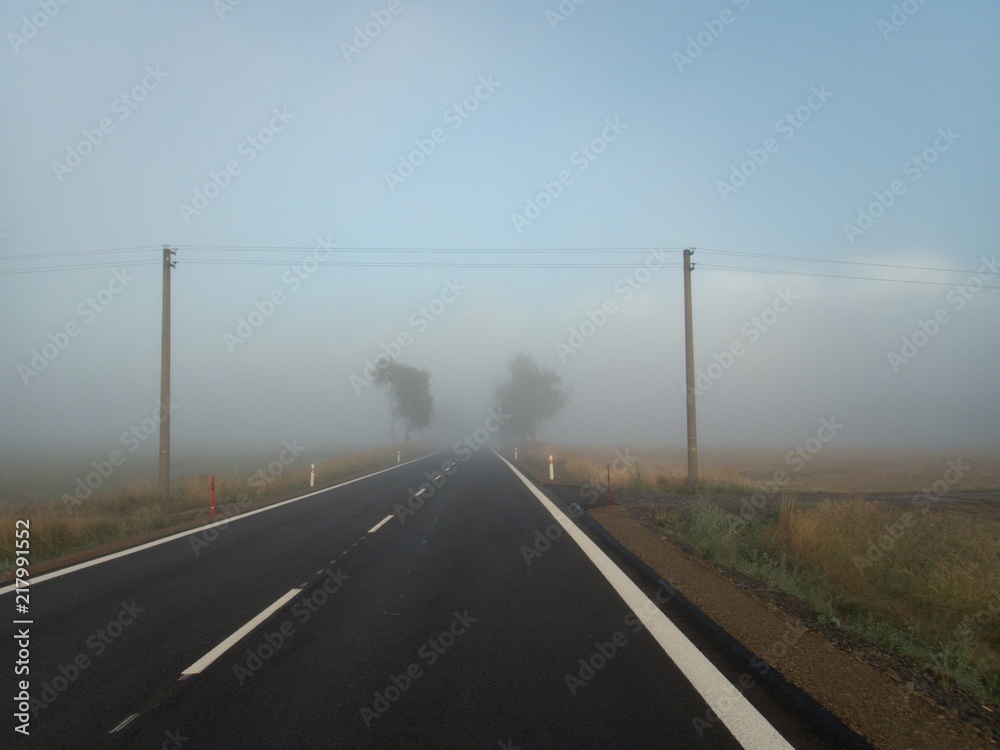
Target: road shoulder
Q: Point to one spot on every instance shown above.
(880, 708)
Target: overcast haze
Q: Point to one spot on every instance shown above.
(683, 111)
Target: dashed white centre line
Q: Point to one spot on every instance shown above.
(199, 666)
(379, 525)
(198, 529)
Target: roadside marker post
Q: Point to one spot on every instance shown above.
(609, 486)
(515, 452)
(213, 497)
(552, 475)
(312, 475)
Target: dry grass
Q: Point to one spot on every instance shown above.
(828, 537)
(58, 529)
(927, 585)
(939, 569)
(631, 470)
(850, 472)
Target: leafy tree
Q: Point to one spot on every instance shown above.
(530, 395)
(408, 391)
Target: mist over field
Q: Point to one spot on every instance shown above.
(449, 184)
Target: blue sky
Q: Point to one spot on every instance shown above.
(839, 98)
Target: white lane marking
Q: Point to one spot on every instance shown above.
(125, 722)
(746, 724)
(197, 530)
(200, 665)
(420, 492)
(379, 525)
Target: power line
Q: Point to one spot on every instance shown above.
(561, 251)
(437, 251)
(513, 263)
(74, 253)
(86, 267)
(831, 276)
(422, 264)
(351, 250)
(831, 260)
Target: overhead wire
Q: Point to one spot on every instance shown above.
(614, 261)
(426, 264)
(86, 267)
(75, 253)
(435, 251)
(778, 272)
(833, 260)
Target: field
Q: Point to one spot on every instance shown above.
(827, 470)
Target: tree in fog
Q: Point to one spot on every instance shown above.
(408, 391)
(530, 395)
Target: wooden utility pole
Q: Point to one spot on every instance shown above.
(165, 376)
(692, 422)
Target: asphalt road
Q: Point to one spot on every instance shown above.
(475, 615)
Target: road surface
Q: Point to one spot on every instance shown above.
(476, 614)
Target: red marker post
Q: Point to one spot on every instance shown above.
(213, 497)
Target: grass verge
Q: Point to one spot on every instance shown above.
(923, 585)
(59, 528)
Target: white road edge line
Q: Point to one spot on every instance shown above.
(124, 723)
(746, 724)
(380, 524)
(197, 530)
(199, 666)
